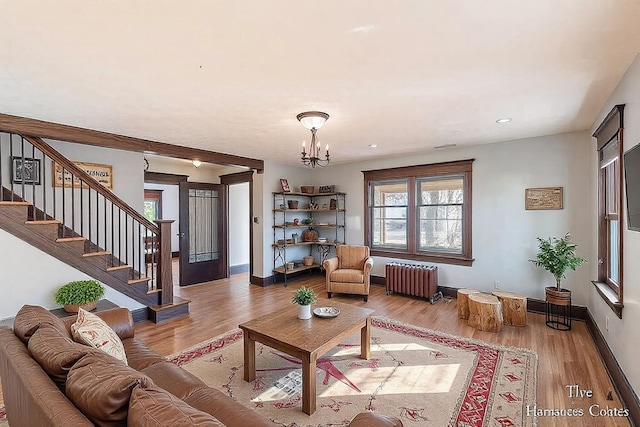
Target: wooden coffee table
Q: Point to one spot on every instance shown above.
(305, 339)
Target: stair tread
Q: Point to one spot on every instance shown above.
(118, 267)
(71, 239)
(98, 253)
(42, 222)
(10, 203)
(139, 280)
(176, 301)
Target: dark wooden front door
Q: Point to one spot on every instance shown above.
(203, 233)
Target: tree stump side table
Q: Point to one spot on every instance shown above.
(514, 307)
(485, 312)
(463, 302)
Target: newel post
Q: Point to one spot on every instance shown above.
(165, 276)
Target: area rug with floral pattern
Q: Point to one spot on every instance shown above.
(421, 376)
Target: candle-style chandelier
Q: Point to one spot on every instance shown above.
(313, 120)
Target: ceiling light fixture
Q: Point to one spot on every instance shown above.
(197, 163)
(313, 120)
(373, 145)
(504, 120)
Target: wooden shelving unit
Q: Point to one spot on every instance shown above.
(329, 223)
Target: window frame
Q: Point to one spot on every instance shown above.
(610, 132)
(445, 170)
(154, 196)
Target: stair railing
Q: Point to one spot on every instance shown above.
(60, 190)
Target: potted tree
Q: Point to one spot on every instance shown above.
(304, 297)
(78, 294)
(556, 256)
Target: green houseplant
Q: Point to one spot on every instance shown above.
(304, 297)
(556, 255)
(79, 294)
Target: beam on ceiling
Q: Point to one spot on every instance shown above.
(43, 129)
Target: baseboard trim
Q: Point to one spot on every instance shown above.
(140, 314)
(620, 383)
(175, 254)
(240, 268)
(261, 281)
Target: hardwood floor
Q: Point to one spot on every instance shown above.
(564, 358)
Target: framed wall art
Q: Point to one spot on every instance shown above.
(545, 198)
(25, 170)
(285, 185)
(101, 173)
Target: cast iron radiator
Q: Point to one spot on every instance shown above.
(415, 280)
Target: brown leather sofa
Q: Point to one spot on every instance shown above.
(50, 380)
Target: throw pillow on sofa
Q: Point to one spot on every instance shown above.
(91, 330)
(100, 386)
(155, 407)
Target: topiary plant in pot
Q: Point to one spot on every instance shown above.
(79, 294)
(304, 297)
(556, 256)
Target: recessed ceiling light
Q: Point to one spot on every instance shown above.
(373, 145)
(504, 120)
(362, 29)
(444, 146)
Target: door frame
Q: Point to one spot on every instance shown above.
(239, 178)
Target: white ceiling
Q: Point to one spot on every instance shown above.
(230, 76)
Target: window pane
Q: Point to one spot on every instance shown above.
(614, 232)
(440, 229)
(611, 190)
(389, 214)
(441, 191)
(440, 214)
(151, 209)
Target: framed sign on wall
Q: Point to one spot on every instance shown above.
(101, 173)
(543, 198)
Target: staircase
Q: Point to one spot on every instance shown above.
(85, 225)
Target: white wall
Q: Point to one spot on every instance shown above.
(264, 186)
(170, 209)
(239, 224)
(504, 233)
(28, 275)
(623, 334)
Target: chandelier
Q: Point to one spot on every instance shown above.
(313, 120)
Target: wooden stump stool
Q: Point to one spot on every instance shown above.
(485, 312)
(514, 308)
(463, 302)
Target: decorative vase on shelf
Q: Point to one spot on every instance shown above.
(304, 312)
(308, 260)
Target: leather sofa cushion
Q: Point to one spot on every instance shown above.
(101, 385)
(225, 409)
(29, 319)
(347, 275)
(154, 407)
(139, 356)
(56, 352)
(174, 379)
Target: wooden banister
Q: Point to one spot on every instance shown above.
(90, 181)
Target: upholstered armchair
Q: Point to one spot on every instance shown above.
(349, 271)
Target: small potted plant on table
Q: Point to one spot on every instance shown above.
(304, 297)
(78, 294)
